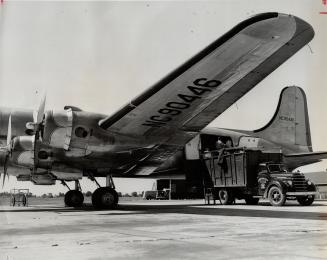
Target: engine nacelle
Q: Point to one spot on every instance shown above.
(58, 128)
(68, 130)
(23, 151)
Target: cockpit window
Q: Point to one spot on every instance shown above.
(276, 168)
(262, 168)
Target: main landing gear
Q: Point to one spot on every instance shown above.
(105, 197)
(74, 198)
(102, 197)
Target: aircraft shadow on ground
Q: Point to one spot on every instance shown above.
(199, 209)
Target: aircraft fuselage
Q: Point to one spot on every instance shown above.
(72, 141)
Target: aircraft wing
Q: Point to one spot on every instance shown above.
(176, 108)
(299, 159)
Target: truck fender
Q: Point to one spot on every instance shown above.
(277, 183)
(312, 187)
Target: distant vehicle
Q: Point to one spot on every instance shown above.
(19, 197)
(239, 173)
(150, 195)
(156, 194)
(163, 194)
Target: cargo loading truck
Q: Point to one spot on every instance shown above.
(239, 173)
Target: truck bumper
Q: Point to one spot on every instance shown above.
(302, 193)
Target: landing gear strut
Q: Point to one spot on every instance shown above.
(105, 197)
(74, 198)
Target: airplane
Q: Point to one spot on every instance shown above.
(145, 135)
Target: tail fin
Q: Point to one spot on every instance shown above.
(290, 123)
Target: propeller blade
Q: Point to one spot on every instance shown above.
(5, 167)
(8, 152)
(9, 134)
(38, 116)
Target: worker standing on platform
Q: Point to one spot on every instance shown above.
(219, 144)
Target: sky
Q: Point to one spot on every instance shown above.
(99, 55)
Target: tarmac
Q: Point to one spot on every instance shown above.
(185, 229)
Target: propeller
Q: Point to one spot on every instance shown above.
(38, 116)
(7, 149)
(36, 125)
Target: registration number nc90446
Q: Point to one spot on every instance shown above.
(181, 102)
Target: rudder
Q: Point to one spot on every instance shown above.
(290, 123)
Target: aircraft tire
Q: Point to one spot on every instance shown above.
(305, 200)
(105, 198)
(74, 198)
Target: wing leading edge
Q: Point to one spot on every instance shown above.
(176, 108)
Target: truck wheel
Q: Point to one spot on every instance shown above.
(251, 201)
(276, 196)
(225, 197)
(306, 200)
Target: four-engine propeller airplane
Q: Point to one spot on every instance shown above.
(143, 136)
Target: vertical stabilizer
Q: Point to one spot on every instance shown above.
(290, 123)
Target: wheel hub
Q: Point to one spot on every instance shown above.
(108, 198)
(276, 196)
(75, 199)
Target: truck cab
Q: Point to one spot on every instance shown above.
(277, 184)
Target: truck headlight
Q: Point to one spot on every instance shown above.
(309, 182)
(289, 182)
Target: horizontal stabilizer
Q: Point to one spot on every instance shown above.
(295, 160)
